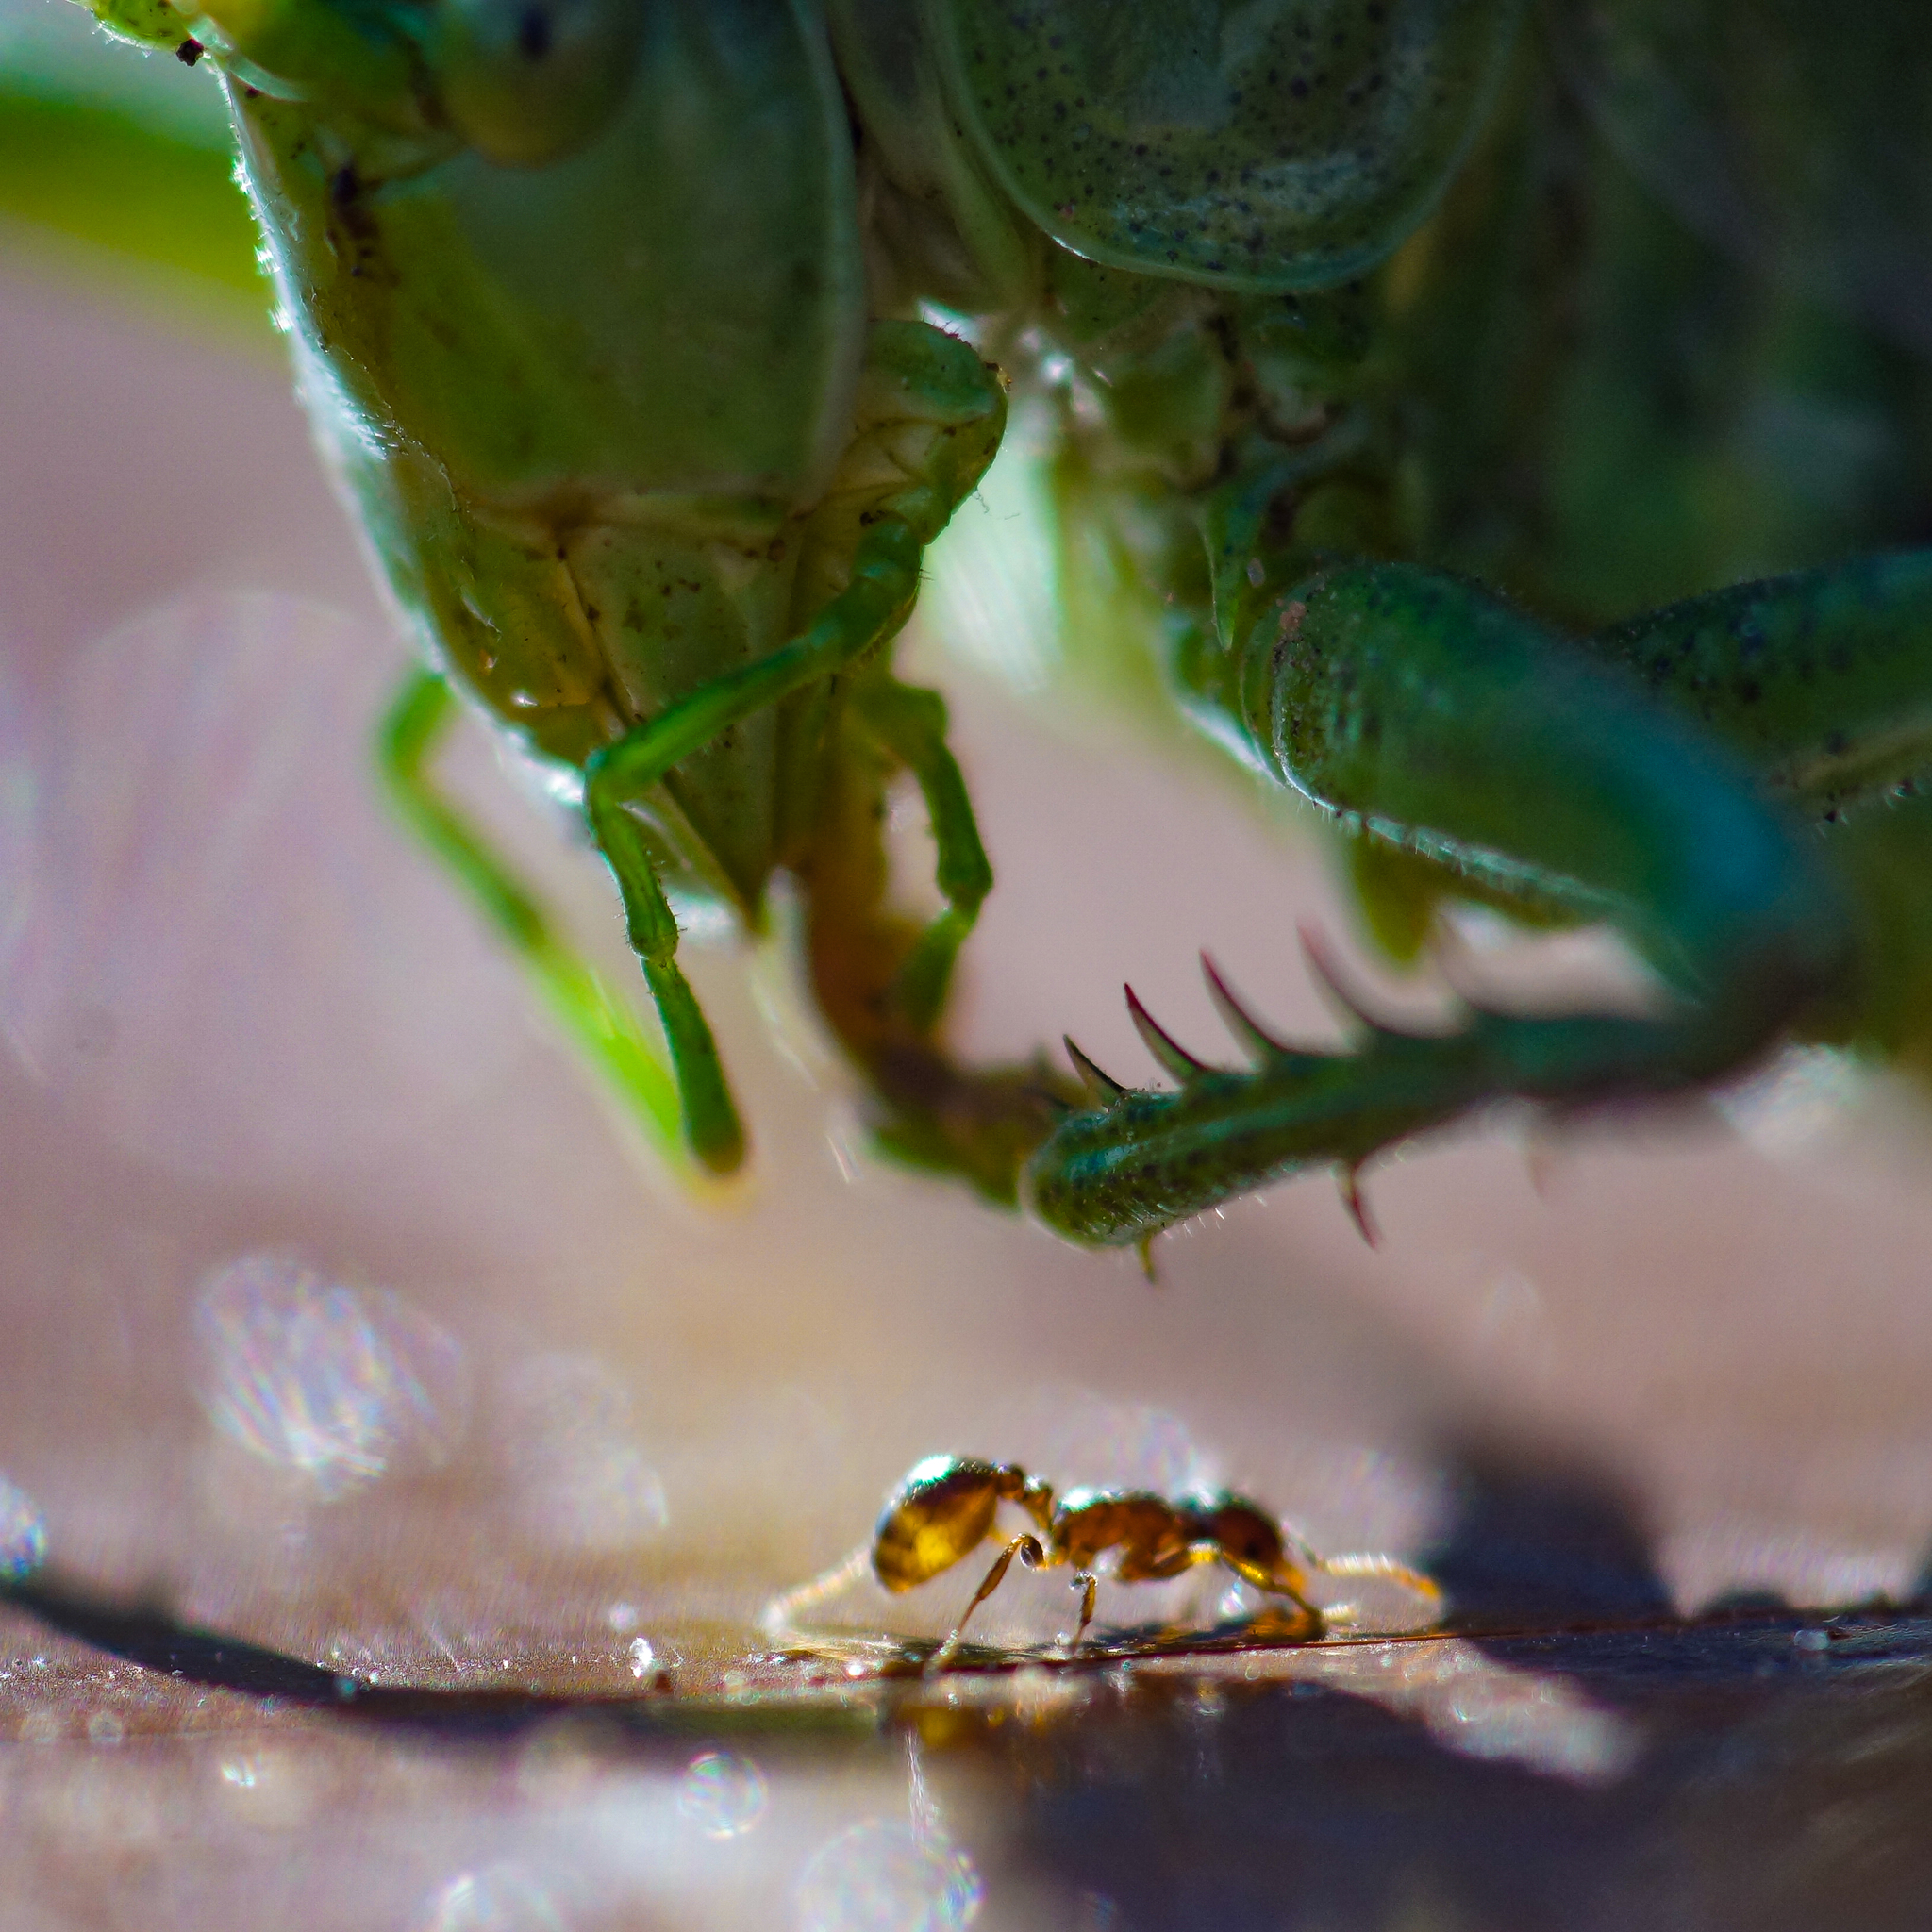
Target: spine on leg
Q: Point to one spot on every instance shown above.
(1418, 708)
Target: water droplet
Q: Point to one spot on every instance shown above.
(338, 1384)
(886, 1877)
(498, 1898)
(644, 1658)
(722, 1793)
(22, 1534)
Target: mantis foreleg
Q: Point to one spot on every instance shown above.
(1419, 709)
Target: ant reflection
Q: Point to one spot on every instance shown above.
(947, 1506)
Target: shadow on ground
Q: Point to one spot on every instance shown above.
(1781, 1778)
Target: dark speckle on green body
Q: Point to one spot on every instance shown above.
(1283, 145)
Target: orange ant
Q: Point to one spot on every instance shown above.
(946, 1507)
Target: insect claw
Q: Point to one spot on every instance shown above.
(1249, 1031)
(1101, 1087)
(1350, 1179)
(1460, 972)
(1171, 1054)
(1329, 975)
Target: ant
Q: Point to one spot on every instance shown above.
(946, 1507)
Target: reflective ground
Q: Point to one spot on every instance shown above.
(1754, 1770)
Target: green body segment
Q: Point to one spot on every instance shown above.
(1727, 777)
(530, 379)
(578, 305)
(1548, 769)
(1288, 144)
(1823, 679)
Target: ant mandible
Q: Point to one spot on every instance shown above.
(946, 1507)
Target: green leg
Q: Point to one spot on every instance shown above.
(911, 725)
(598, 1023)
(974, 1124)
(885, 580)
(1419, 709)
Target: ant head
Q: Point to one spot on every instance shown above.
(943, 1510)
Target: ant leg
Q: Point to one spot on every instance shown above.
(1368, 1564)
(1312, 1614)
(1028, 1548)
(1283, 1579)
(778, 1619)
(1089, 1586)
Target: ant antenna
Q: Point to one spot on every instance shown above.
(778, 1619)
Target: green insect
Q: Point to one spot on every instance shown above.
(1397, 353)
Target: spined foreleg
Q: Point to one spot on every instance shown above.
(1419, 711)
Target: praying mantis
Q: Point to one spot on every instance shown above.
(1503, 429)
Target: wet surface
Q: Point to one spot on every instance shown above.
(1756, 1770)
(1771, 1786)
(1587, 1761)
